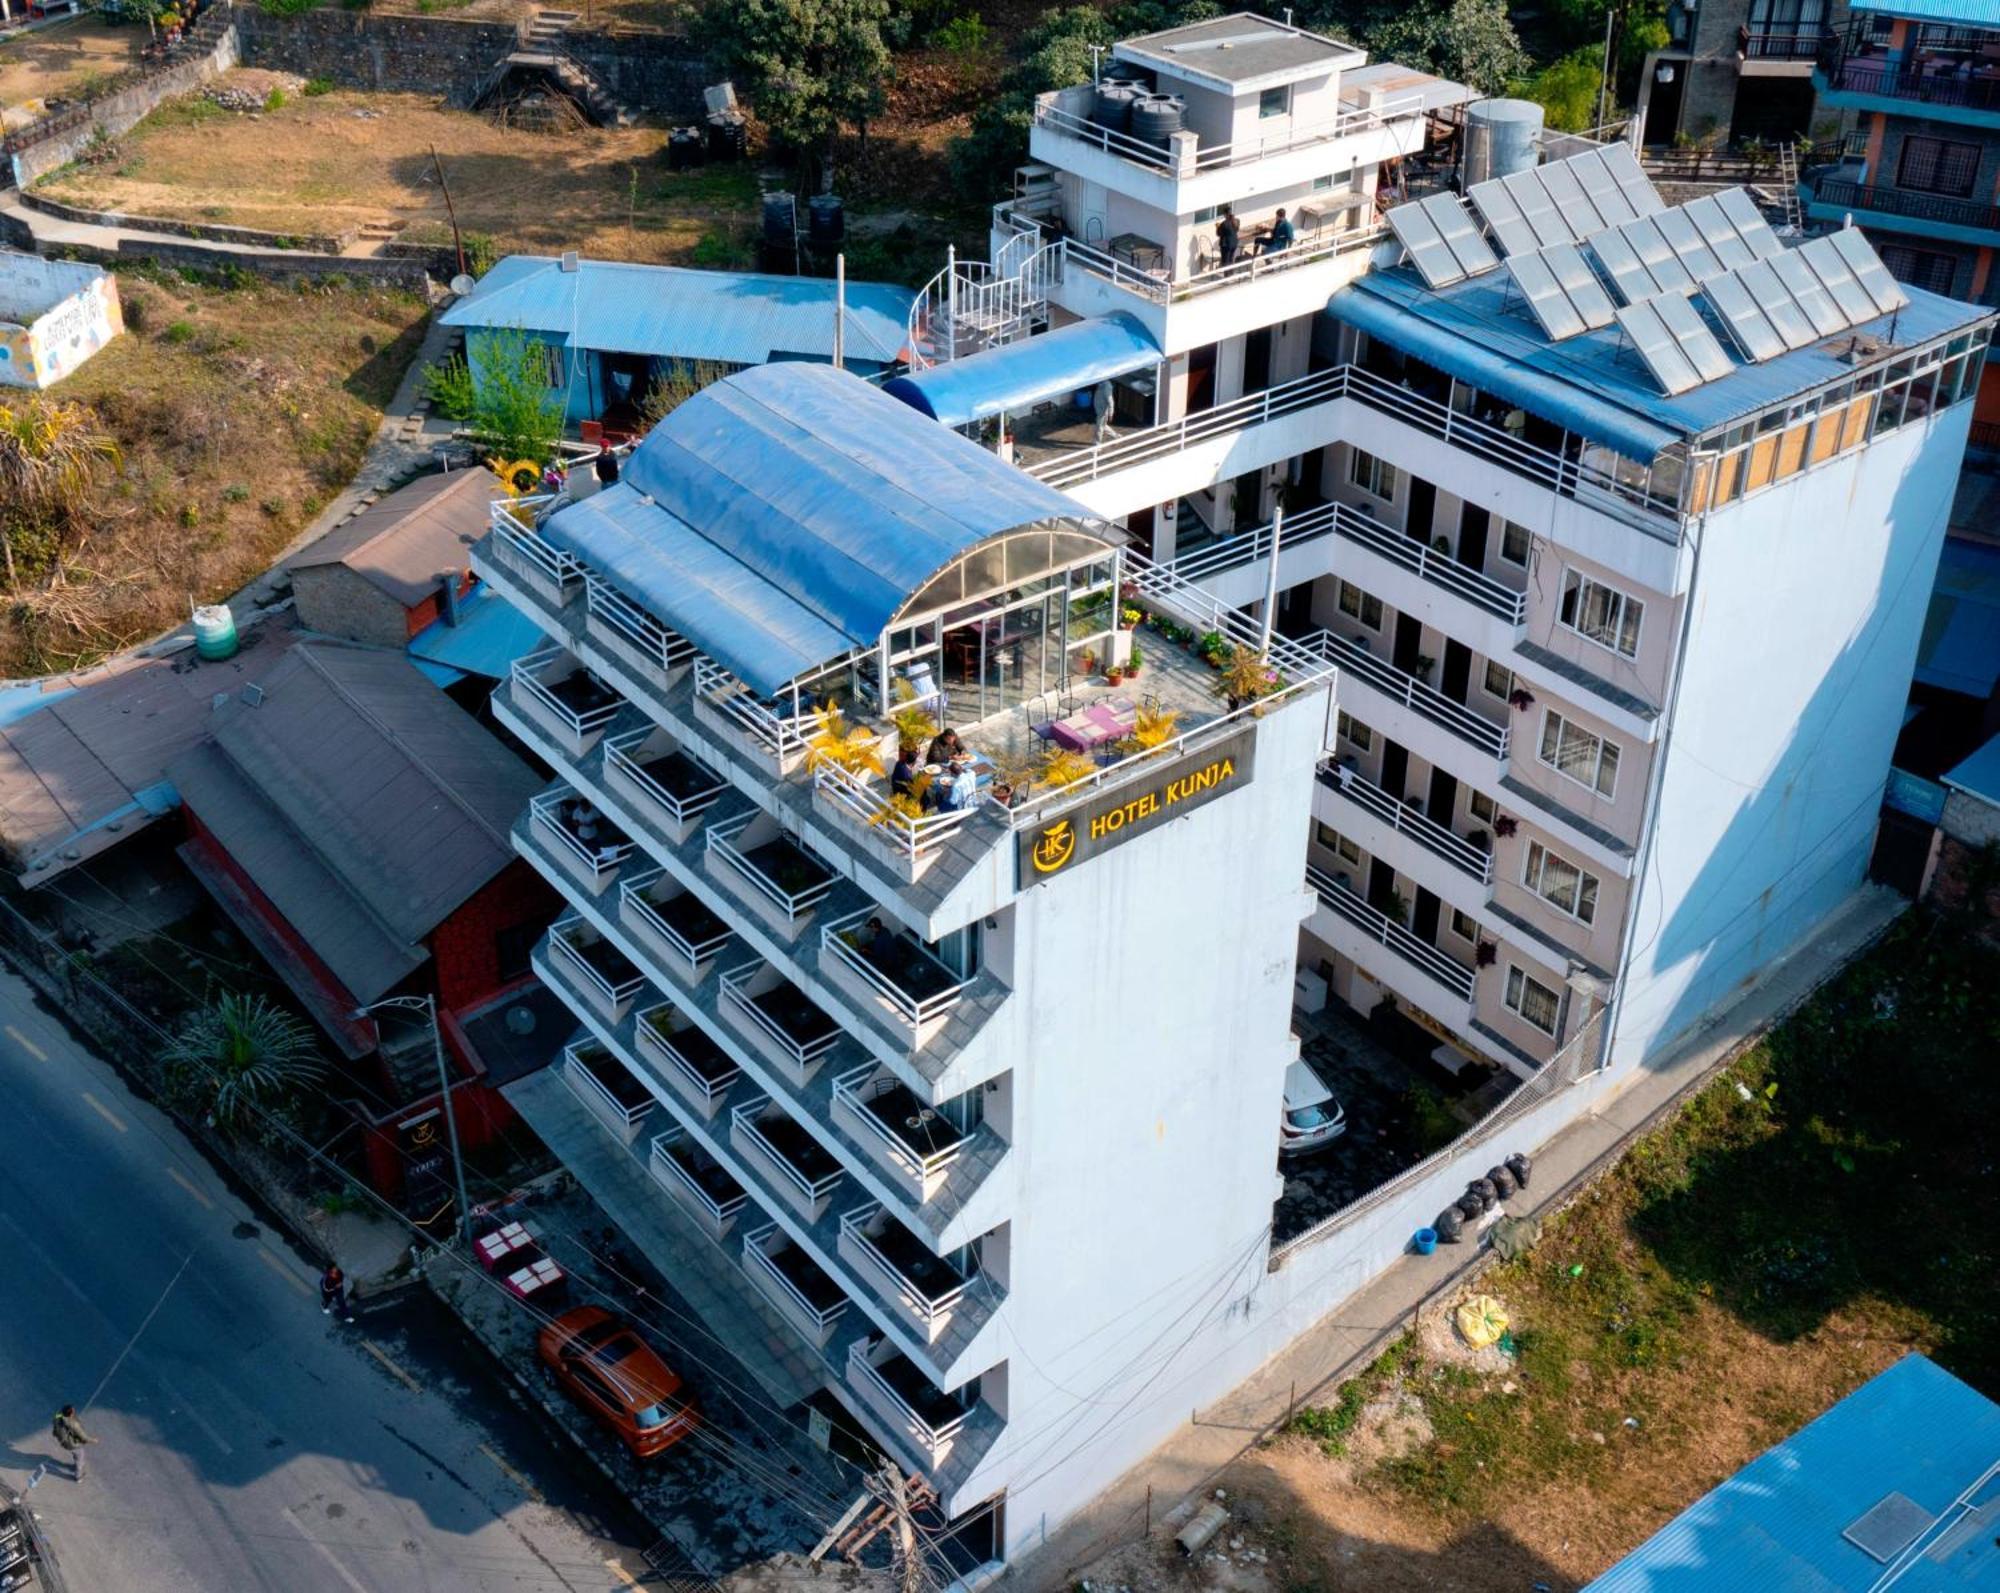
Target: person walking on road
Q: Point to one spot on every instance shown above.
(68, 1432)
(333, 1292)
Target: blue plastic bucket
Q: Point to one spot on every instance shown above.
(1426, 1241)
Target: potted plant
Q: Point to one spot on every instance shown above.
(1483, 954)
(1521, 698)
(1505, 824)
(1398, 908)
(1115, 675)
(1479, 839)
(1211, 649)
(1087, 661)
(1132, 664)
(1247, 676)
(1425, 664)
(1441, 544)
(1129, 616)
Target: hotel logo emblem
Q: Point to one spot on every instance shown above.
(1055, 847)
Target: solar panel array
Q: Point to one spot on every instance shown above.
(1563, 293)
(1802, 295)
(1672, 250)
(1566, 201)
(1441, 240)
(1674, 342)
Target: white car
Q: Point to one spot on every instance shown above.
(1312, 1117)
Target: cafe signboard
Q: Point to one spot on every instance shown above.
(1058, 844)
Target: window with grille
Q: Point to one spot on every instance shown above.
(1499, 681)
(1534, 1001)
(1938, 166)
(1372, 475)
(1920, 268)
(1514, 543)
(1356, 733)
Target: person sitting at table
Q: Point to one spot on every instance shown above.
(945, 746)
(1279, 235)
(904, 775)
(961, 786)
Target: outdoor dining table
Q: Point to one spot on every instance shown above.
(1090, 728)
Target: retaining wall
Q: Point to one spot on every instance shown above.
(320, 243)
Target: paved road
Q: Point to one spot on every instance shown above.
(245, 1442)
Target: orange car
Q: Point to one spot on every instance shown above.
(603, 1364)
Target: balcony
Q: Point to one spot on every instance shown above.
(784, 1023)
(601, 973)
(773, 733)
(786, 881)
(798, 1168)
(891, 971)
(671, 922)
(903, 1271)
(614, 621)
(648, 769)
(889, 1384)
(1359, 665)
(564, 700)
(616, 1099)
(694, 1067)
(554, 575)
(1952, 84)
(1780, 47)
(1475, 863)
(912, 1142)
(910, 842)
(699, 1183)
(1928, 211)
(589, 847)
(803, 1294)
(1378, 926)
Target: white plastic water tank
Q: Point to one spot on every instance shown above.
(214, 631)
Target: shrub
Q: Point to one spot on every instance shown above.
(179, 332)
(315, 86)
(275, 100)
(235, 492)
(449, 388)
(963, 36)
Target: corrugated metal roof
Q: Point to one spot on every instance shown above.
(1013, 377)
(1960, 647)
(732, 317)
(361, 800)
(1971, 13)
(402, 543)
(1592, 383)
(780, 517)
(1777, 1526)
(1397, 83)
(490, 634)
(1979, 775)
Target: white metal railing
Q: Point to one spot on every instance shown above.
(1358, 663)
(854, 1089)
(659, 646)
(681, 810)
(916, 1011)
(785, 735)
(758, 1258)
(634, 894)
(1428, 564)
(927, 1307)
(581, 723)
(862, 1367)
(657, 1043)
(1379, 926)
(672, 1173)
(522, 547)
(745, 1120)
(1427, 832)
(583, 1079)
(736, 993)
(566, 937)
(910, 836)
(599, 859)
(1050, 113)
(794, 904)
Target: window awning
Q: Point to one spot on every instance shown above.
(1016, 376)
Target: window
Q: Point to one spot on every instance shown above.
(1358, 734)
(1330, 838)
(1206, 214)
(1463, 926)
(1274, 102)
(1499, 680)
(1357, 604)
(1602, 613)
(1920, 268)
(1482, 807)
(1560, 883)
(1570, 749)
(552, 361)
(1371, 475)
(1938, 166)
(1534, 1001)
(1514, 544)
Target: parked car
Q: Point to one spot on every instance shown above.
(599, 1360)
(1312, 1117)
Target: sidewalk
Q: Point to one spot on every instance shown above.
(1365, 1324)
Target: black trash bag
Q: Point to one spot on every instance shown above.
(1482, 1190)
(1448, 1224)
(1501, 1180)
(1520, 1167)
(1469, 1204)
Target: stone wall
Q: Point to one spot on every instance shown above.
(662, 74)
(320, 243)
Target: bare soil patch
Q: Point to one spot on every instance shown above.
(66, 59)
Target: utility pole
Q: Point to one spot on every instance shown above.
(457, 242)
(840, 314)
(910, 1568)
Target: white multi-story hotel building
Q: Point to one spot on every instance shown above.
(1621, 609)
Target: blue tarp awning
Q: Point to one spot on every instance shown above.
(780, 517)
(490, 634)
(1016, 376)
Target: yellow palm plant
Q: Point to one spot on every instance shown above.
(1063, 767)
(1155, 727)
(836, 744)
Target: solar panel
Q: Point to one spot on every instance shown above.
(1418, 234)
(1658, 347)
(1806, 289)
(1546, 299)
(1503, 217)
(1749, 222)
(1657, 254)
(1779, 307)
(1612, 202)
(1718, 232)
(1839, 281)
(1538, 209)
(1868, 270)
(1689, 247)
(1571, 202)
(1448, 214)
(1622, 264)
(1747, 324)
(1579, 283)
(1691, 332)
(1624, 169)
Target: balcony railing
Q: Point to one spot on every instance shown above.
(783, 1016)
(802, 1173)
(912, 838)
(692, 1064)
(776, 867)
(606, 974)
(1406, 820)
(522, 548)
(1051, 114)
(902, 1268)
(594, 847)
(794, 1283)
(1427, 701)
(698, 1181)
(1847, 195)
(778, 729)
(624, 623)
(573, 704)
(917, 989)
(1379, 926)
(600, 1081)
(891, 1383)
(1779, 46)
(674, 919)
(913, 1141)
(1932, 81)
(650, 765)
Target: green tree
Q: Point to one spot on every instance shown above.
(1468, 41)
(517, 411)
(1567, 90)
(810, 67)
(245, 1055)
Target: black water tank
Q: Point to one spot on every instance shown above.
(728, 139)
(1448, 1225)
(684, 148)
(1111, 105)
(780, 218)
(1156, 118)
(826, 218)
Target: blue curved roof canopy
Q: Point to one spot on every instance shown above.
(1011, 378)
(779, 518)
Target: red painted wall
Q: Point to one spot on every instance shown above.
(465, 952)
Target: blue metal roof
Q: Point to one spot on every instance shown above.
(1777, 1525)
(1592, 383)
(780, 517)
(1011, 378)
(1960, 647)
(1979, 775)
(490, 634)
(1971, 13)
(733, 317)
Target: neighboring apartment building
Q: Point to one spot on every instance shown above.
(1735, 71)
